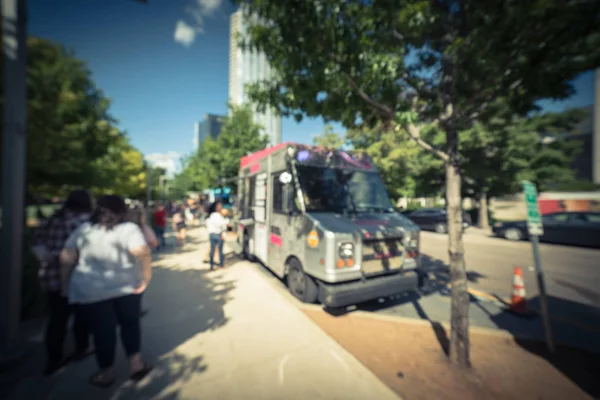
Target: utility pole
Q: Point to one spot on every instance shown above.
(12, 197)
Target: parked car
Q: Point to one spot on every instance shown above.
(435, 219)
(575, 228)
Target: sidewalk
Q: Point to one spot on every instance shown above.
(222, 335)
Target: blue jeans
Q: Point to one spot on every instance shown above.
(159, 231)
(215, 240)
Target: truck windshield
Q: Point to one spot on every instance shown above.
(342, 190)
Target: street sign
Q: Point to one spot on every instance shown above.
(536, 229)
(534, 217)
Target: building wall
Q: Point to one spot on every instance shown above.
(210, 126)
(247, 67)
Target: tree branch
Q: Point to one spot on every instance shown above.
(415, 134)
(387, 111)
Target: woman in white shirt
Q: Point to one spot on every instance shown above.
(216, 225)
(106, 266)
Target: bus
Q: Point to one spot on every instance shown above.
(322, 220)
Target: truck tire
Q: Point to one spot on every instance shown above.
(302, 286)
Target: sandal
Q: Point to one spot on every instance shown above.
(142, 373)
(102, 379)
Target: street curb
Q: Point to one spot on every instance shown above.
(421, 322)
(505, 304)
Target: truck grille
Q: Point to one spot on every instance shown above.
(382, 256)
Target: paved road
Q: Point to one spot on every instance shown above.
(490, 263)
(572, 273)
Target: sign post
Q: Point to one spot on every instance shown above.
(535, 229)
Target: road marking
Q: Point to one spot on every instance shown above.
(281, 369)
(337, 357)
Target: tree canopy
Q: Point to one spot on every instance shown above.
(329, 138)
(73, 141)
(413, 64)
(219, 158)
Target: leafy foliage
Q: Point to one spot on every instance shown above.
(329, 139)
(73, 140)
(219, 159)
(415, 64)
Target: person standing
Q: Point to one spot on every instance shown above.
(216, 225)
(106, 266)
(48, 242)
(179, 225)
(160, 224)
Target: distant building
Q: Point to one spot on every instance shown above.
(247, 67)
(210, 126)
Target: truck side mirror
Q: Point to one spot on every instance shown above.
(288, 199)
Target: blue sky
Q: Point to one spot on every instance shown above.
(161, 86)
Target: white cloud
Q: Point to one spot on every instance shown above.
(169, 161)
(185, 33)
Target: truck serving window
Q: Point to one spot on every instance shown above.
(277, 193)
(342, 190)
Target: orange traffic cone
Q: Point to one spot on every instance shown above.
(518, 302)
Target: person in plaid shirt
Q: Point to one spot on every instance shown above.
(49, 240)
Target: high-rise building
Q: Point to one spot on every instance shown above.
(210, 126)
(245, 67)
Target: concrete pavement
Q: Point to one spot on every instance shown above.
(222, 335)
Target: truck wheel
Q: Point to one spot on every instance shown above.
(302, 286)
(246, 248)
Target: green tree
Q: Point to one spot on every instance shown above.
(498, 155)
(330, 139)
(218, 159)
(414, 64)
(401, 161)
(69, 126)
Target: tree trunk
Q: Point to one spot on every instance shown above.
(484, 221)
(459, 319)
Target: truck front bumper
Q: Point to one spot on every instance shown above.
(355, 292)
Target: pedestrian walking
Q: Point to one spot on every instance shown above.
(48, 242)
(179, 225)
(159, 217)
(216, 226)
(107, 265)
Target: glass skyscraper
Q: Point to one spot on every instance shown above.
(247, 67)
(210, 126)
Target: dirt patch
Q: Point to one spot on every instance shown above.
(409, 358)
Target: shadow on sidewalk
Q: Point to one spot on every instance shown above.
(182, 303)
(188, 302)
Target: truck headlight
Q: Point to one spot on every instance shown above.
(346, 250)
(411, 239)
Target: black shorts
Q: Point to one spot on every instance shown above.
(180, 226)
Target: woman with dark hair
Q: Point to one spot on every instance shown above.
(107, 265)
(216, 225)
(48, 242)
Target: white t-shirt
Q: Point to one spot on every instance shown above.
(216, 223)
(105, 269)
